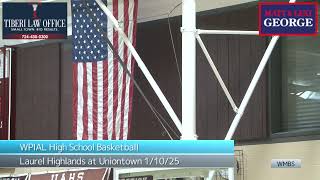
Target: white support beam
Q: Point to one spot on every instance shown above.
(227, 32)
(188, 31)
(216, 73)
(142, 66)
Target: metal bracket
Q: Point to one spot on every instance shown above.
(183, 29)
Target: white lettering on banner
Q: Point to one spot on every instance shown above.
(288, 22)
(34, 23)
(1, 124)
(14, 22)
(72, 176)
(54, 23)
(22, 23)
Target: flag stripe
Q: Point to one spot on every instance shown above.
(109, 118)
(100, 99)
(105, 99)
(135, 15)
(120, 69)
(85, 102)
(95, 100)
(80, 101)
(89, 100)
(75, 99)
(115, 72)
(127, 97)
(124, 78)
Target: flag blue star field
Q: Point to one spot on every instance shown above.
(102, 91)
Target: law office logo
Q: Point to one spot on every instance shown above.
(288, 19)
(34, 20)
(35, 7)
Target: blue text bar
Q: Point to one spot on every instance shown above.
(117, 146)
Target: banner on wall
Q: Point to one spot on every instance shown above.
(34, 20)
(20, 177)
(87, 174)
(288, 19)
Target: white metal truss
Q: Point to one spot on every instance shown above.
(189, 34)
(239, 111)
(252, 85)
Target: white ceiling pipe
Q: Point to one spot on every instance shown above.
(228, 32)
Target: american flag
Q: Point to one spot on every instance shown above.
(102, 91)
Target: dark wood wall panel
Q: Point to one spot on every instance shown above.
(156, 51)
(37, 91)
(66, 91)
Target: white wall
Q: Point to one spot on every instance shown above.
(258, 160)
